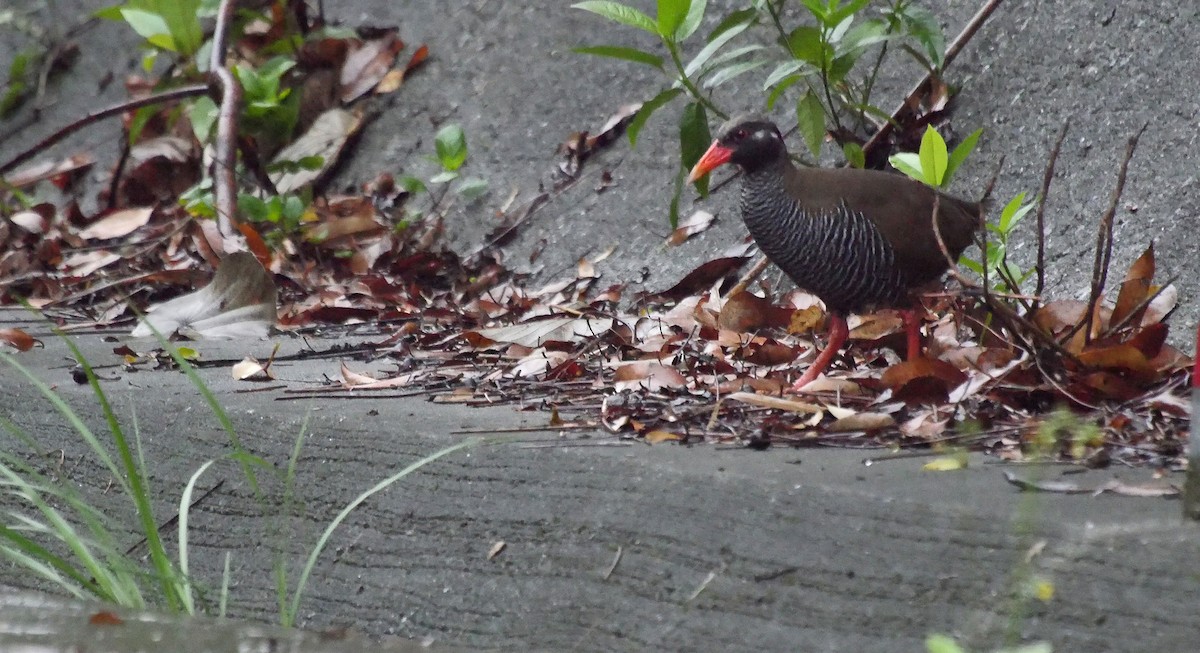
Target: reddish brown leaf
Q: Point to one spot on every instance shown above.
(700, 279)
(105, 618)
(744, 312)
(1124, 358)
(922, 380)
(18, 339)
(417, 58)
(1135, 289)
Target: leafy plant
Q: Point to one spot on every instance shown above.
(450, 148)
(171, 25)
(934, 166)
(818, 61)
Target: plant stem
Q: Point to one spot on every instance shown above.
(691, 88)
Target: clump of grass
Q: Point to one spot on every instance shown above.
(53, 532)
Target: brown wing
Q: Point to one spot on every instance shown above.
(900, 207)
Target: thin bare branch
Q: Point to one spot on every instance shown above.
(1104, 238)
(97, 116)
(1047, 177)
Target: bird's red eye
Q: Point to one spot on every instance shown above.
(740, 134)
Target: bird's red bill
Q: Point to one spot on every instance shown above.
(717, 155)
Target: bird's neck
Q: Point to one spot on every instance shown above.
(765, 198)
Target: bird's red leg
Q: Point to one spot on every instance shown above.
(838, 332)
(912, 327)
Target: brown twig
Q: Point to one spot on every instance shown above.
(97, 116)
(922, 87)
(1047, 177)
(751, 274)
(1104, 240)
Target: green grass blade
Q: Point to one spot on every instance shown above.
(289, 617)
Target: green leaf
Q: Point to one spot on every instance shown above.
(149, 26)
(864, 35)
(938, 643)
(673, 212)
(927, 30)
(412, 185)
(733, 70)
(854, 155)
(933, 157)
(472, 188)
(711, 48)
(786, 69)
(909, 163)
(443, 177)
(782, 86)
(725, 57)
(203, 115)
(961, 153)
(694, 139)
(806, 44)
(842, 14)
(109, 13)
(818, 9)
(451, 145)
(1012, 213)
(970, 264)
(620, 52)
(691, 22)
(648, 108)
(253, 208)
(670, 16)
(182, 24)
(744, 17)
(810, 122)
(619, 13)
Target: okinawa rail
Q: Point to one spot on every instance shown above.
(857, 239)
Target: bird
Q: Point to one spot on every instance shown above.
(858, 239)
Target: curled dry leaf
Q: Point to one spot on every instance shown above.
(497, 548)
(650, 376)
(326, 138)
(249, 369)
(922, 380)
(876, 326)
(366, 65)
(696, 223)
(778, 403)
(657, 436)
(1135, 289)
(863, 422)
(745, 312)
(18, 339)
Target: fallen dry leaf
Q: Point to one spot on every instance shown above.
(657, 436)
(863, 422)
(18, 339)
(238, 303)
(696, 223)
(249, 369)
(497, 548)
